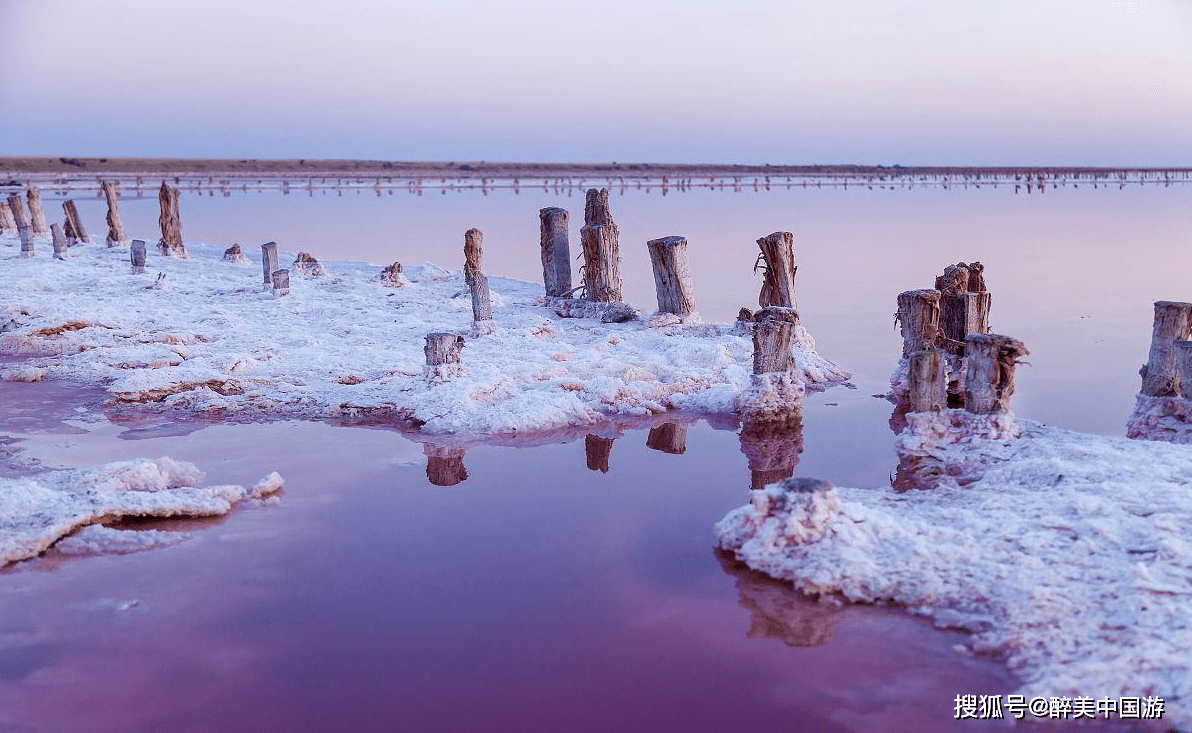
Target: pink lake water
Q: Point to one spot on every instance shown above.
(537, 594)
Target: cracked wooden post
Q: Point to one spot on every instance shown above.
(444, 465)
(136, 254)
(26, 234)
(36, 212)
(989, 378)
(964, 308)
(473, 253)
(596, 452)
(74, 225)
(778, 256)
(927, 381)
(280, 279)
(269, 263)
(170, 222)
(7, 224)
(600, 239)
(672, 276)
(443, 357)
(482, 307)
(668, 437)
(116, 236)
(17, 207)
(1173, 322)
(61, 249)
(919, 319)
(773, 339)
(556, 252)
(1183, 367)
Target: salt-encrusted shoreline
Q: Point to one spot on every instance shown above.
(38, 511)
(1065, 553)
(207, 339)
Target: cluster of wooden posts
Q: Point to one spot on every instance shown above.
(1168, 370)
(945, 330)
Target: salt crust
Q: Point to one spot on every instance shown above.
(1161, 418)
(210, 340)
(1067, 554)
(38, 511)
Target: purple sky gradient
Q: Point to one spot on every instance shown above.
(1059, 82)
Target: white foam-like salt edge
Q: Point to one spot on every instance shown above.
(38, 511)
(210, 340)
(1070, 555)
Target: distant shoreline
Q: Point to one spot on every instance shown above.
(16, 167)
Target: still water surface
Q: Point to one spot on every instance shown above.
(538, 594)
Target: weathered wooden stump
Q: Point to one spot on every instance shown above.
(234, 254)
(964, 303)
(116, 236)
(668, 437)
(443, 355)
(392, 277)
(927, 380)
(444, 465)
(672, 276)
(919, 318)
(556, 252)
(600, 240)
(596, 452)
(170, 222)
(989, 378)
(473, 253)
(26, 234)
(7, 224)
(17, 207)
(306, 264)
(269, 264)
(136, 254)
(59, 239)
(772, 447)
(36, 212)
(1183, 367)
(773, 339)
(777, 262)
(280, 280)
(1173, 322)
(74, 225)
(482, 308)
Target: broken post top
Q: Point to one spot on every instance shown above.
(551, 211)
(596, 209)
(961, 278)
(473, 253)
(777, 262)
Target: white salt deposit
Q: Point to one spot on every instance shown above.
(1161, 418)
(210, 340)
(38, 511)
(1067, 554)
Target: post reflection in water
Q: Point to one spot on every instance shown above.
(772, 446)
(444, 464)
(596, 449)
(668, 437)
(777, 610)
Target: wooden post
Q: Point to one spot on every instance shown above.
(668, 437)
(59, 239)
(269, 263)
(964, 303)
(444, 465)
(234, 254)
(74, 225)
(778, 266)
(989, 378)
(7, 224)
(773, 338)
(596, 451)
(1183, 367)
(927, 381)
(556, 252)
(18, 211)
(473, 253)
(280, 279)
(443, 358)
(600, 240)
(482, 308)
(116, 235)
(136, 254)
(772, 447)
(672, 275)
(306, 264)
(919, 318)
(26, 234)
(1173, 322)
(36, 212)
(170, 222)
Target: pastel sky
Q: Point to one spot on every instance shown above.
(1061, 82)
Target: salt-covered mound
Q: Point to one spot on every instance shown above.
(38, 511)
(206, 338)
(1068, 554)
